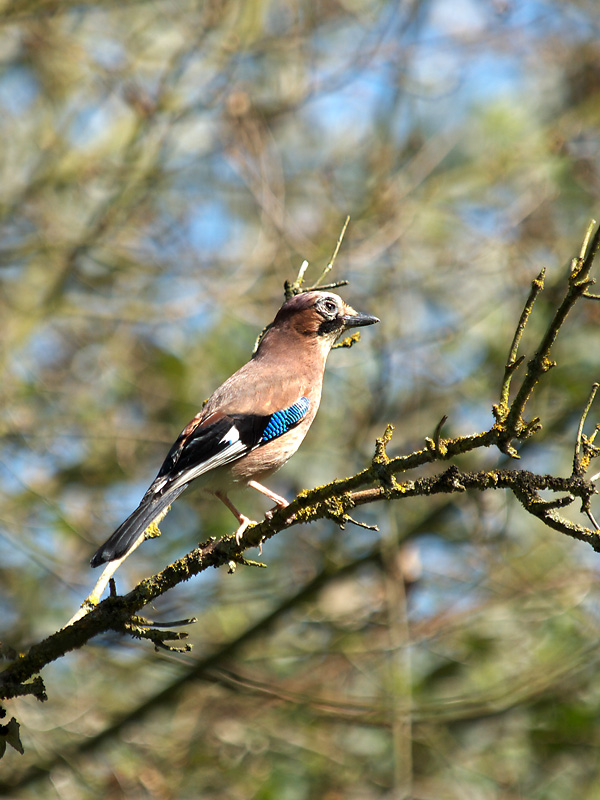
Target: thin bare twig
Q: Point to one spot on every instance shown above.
(580, 464)
(292, 288)
(329, 266)
(512, 363)
(513, 425)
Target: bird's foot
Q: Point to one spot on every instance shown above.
(244, 522)
(271, 511)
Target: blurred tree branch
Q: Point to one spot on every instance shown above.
(202, 667)
(377, 482)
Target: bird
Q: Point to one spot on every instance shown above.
(254, 422)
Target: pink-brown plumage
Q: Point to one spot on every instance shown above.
(225, 444)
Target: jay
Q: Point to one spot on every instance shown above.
(252, 424)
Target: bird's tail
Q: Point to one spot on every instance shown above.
(128, 532)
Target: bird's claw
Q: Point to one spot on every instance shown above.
(244, 522)
(269, 514)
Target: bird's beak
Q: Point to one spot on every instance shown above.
(356, 319)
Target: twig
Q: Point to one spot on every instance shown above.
(513, 363)
(329, 266)
(436, 444)
(586, 239)
(290, 288)
(580, 464)
(591, 518)
(514, 426)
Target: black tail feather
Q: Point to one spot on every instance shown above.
(128, 532)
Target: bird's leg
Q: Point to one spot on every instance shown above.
(280, 502)
(241, 518)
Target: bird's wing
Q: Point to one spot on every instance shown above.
(205, 444)
(220, 439)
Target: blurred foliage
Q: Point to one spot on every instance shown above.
(165, 166)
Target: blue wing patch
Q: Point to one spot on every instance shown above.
(281, 421)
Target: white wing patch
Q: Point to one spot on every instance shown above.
(232, 436)
(156, 487)
(234, 450)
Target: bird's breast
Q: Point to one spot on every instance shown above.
(268, 458)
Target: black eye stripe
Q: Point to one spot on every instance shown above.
(329, 325)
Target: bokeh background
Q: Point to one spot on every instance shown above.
(164, 167)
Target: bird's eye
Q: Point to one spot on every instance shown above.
(330, 306)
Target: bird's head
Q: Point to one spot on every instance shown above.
(323, 316)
